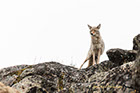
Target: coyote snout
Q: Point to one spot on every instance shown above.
(96, 47)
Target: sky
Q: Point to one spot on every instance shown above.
(36, 31)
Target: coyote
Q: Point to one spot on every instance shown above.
(96, 48)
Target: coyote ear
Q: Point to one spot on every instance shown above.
(89, 26)
(99, 26)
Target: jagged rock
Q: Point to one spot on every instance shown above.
(12, 73)
(136, 76)
(7, 89)
(136, 42)
(120, 56)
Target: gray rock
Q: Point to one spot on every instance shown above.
(11, 73)
(52, 77)
(136, 42)
(136, 76)
(120, 56)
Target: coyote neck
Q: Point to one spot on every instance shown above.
(95, 39)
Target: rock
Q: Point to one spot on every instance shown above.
(136, 76)
(136, 42)
(45, 77)
(53, 77)
(119, 74)
(120, 56)
(12, 73)
(7, 89)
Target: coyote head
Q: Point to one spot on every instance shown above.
(94, 30)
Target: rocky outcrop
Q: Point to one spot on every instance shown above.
(119, 74)
(136, 42)
(120, 56)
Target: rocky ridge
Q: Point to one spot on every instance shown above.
(119, 74)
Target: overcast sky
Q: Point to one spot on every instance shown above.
(35, 31)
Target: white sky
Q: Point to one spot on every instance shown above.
(35, 31)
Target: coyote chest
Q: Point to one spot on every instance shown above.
(96, 44)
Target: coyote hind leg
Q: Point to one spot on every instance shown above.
(83, 63)
(90, 62)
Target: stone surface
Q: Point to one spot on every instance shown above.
(136, 42)
(53, 77)
(136, 76)
(119, 74)
(120, 56)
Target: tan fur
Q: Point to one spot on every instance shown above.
(96, 47)
(7, 89)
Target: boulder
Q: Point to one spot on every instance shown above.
(120, 56)
(136, 76)
(136, 42)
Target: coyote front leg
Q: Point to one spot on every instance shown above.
(98, 57)
(93, 58)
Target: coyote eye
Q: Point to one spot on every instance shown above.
(95, 30)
